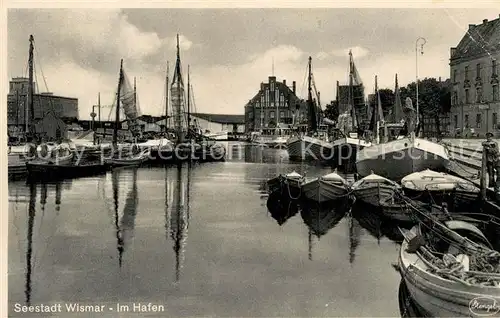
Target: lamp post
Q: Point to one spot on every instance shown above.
(423, 41)
(93, 114)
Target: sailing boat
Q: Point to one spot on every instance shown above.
(347, 145)
(58, 153)
(398, 158)
(189, 144)
(129, 102)
(315, 144)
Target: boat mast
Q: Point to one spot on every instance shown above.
(188, 103)
(166, 100)
(117, 113)
(351, 93)
(31, 120)
(312, 113)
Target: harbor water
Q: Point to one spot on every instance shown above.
(192, 240)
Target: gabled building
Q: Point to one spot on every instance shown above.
(273, 104)
(474, 71)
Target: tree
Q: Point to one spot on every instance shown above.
(386, 98)
(434, 97)
(331, 110)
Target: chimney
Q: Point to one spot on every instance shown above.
(261, 86)
(294, 88)
(284, 82)
(485, 21)
(439, 79)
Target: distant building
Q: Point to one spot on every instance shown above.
(474, 70)
(65, 108)
(215, 123)
(274, 103)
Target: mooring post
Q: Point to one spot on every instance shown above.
(483, 181)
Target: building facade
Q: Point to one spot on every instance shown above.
(17, 108)
(474, 72)
(273, 104)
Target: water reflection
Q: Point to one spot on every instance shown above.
(177, 210)
(281, 207)
(125, 227)
(44, 190)
(320, 218)
(354, 236)
(374, 222)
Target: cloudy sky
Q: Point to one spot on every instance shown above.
(230, 51)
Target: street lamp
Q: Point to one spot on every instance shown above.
(93, 115)
(423, 41)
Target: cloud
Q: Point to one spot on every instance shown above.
(322, 56)
(358, 52)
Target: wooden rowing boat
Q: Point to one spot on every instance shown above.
(326, 188)
(374, 189)
(441, 292)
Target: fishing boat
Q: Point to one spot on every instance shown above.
(436, 186)
(375, 190)
(126, 99)
(457, 276)
(288, 184)
(314, 143)
(398, 158)
(347, 141)
(326, 188)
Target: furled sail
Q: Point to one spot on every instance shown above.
(397, 110)
(356, 93)
(177, 98)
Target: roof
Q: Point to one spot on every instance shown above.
(479, 39)
(221, 118)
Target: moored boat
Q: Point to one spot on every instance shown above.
(457, 277)
(440, 187)
(325, 188)
(346, 148)
(288, 184)
(43, 170)
(375, 190)
(133, 160)
(309, 148)
(398, 158)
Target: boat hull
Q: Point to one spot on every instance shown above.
(309, 148)
(290, 187)
(345, 151)
(375, 194)
(40, 170)
(16, 165)
(320, 190)
(440, 297)
(399, 158)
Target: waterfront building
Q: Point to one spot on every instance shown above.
(61, 108)
(217, 123)
(474, 71)
(274, 103)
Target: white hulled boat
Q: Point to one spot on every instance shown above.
(375, 190)
(398, 158)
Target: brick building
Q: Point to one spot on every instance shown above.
(274, 103)
(474, 70)
(65, 108)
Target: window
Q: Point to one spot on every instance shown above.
(282, 114)
(495, 92)
(455, 120)
(271, 114)
(455, 98)
(479, 95)
(478, 121)
(466, 73)
(478, 70)
(466, 120)
(494, 67)
(267, 98)
(257, 104)
(454, 76)
(467, 97)
(272, 86)
(250, 115)
(494, 120)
